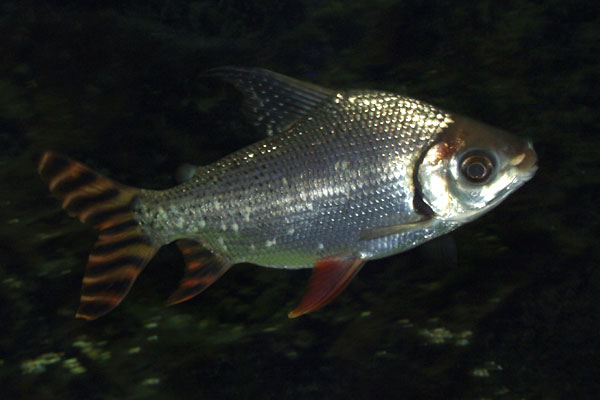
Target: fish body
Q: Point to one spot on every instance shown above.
(343, 177)
(309, 192)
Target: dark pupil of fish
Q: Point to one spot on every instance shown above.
(476, 171)
(477, 168)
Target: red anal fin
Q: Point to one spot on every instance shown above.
(329, 278)
(202, 268)
(122, 249)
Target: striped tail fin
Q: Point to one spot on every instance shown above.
(122, 249)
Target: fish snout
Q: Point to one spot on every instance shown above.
(526, 161)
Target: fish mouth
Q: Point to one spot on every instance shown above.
(526, 162)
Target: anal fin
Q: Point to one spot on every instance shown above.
(329, 278)
(202, 268)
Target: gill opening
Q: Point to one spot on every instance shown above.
(419, 204)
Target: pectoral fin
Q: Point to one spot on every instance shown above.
(329, 278)
(202, 269)
(382, 231)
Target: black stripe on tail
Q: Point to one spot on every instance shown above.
(122, 249)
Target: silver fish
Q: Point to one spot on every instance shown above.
(343, 177)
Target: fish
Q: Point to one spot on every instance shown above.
(341, 177)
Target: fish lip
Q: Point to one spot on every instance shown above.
(527, 166)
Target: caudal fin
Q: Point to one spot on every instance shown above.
(122, 249)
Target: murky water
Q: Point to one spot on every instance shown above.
(119, 87)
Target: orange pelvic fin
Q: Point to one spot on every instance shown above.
(122, 249)
(329, 278)
(202, 268)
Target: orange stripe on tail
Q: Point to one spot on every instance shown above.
(122, 249)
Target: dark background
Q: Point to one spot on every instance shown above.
(117, 85)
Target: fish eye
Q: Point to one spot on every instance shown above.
(477, 166)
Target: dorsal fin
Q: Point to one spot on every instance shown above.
(272, 101)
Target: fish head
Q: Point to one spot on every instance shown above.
(472, 168)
